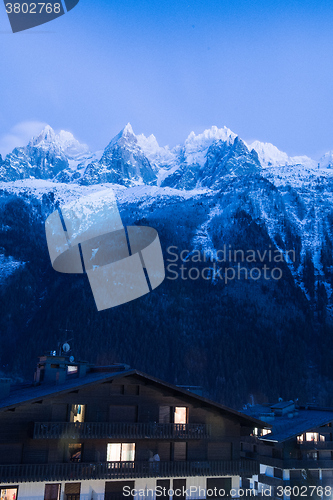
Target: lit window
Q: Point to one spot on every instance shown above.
(312, 436)
(266, 431)
(8, 493)
(114, 452)
(300, 438)
(120, 452)
(75, 452)
(180, 415)
(77, 413)
(72, 369)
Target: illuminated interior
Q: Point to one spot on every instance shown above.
(72, 369)
(75, 452)
(8, 494)
(77, 413)
(180, 415)
(310, 436)
(121, 452)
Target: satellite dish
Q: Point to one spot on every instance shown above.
(71, 359)
(66, 347)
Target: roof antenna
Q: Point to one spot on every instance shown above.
(64, 347)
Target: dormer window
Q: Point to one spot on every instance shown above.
(71, 369)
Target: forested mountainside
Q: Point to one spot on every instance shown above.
(240, 339)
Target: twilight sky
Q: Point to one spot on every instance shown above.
(263, 68)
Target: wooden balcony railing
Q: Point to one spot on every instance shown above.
(121, 430)
(119, 470)
(294, 463)
(316, 445)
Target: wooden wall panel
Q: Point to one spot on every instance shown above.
(10, 453)
(196, 450)
(59, 412)
(219, 451)
(35, 452)
(164, 450)
(123, 413)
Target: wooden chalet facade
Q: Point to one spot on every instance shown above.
(83, 432)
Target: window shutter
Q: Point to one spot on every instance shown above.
(179, 451)
(180, 484)
(52, 492)
(164, 416)
(72, 488)
(164, 486)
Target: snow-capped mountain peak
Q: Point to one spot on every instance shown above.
(47, 135)
(326, 161)
(45, 156)
(158, 156)
(125, 137)
(203, 141)
(127, 130)
(202, 160)
(148, 143)
(270, 156)
(62, 143)
(123, 162)
(196, 146)
(72, 148)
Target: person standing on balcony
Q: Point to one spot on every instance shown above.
(156, 460)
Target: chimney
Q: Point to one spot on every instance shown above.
(57, 369)
(51, 369)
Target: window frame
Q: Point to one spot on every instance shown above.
(9, 487)
(121, 452)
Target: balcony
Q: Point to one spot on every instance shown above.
(293, 463)
(121, 470)
(272, 481)
(308, 463)
(316, 445)
(121, 430)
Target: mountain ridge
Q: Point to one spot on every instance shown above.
(131, 159)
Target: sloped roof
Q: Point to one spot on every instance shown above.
(284, 427)
(282, 405)
(19, 396)
(34, 392)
